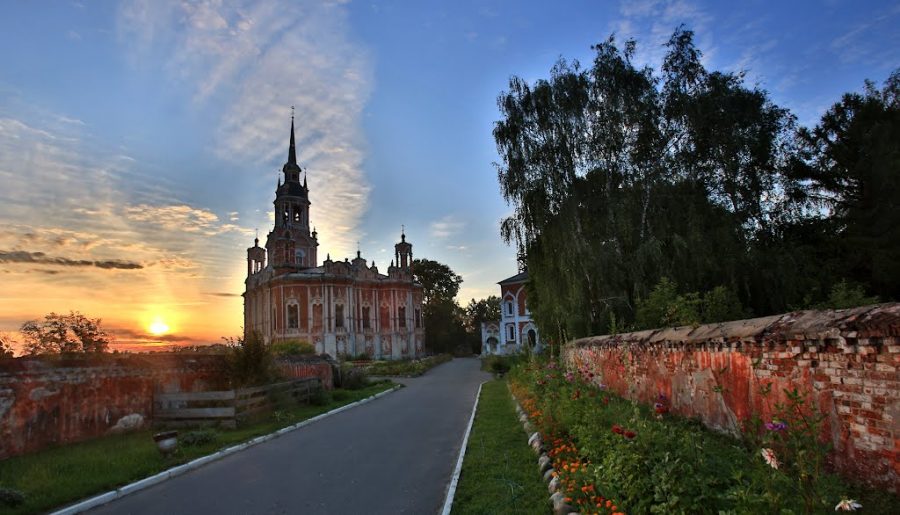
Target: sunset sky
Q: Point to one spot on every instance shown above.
(139, 140)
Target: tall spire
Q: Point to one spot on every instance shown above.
(292, 151)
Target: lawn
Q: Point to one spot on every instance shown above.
(62, 475)
(500, 473)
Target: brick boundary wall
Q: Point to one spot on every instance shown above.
(301, 368)
(45, 402)
(847, 360)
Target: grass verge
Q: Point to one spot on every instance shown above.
(62, 475)
(500, 473)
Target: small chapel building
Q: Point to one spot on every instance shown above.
(515, 330)
(341, 307)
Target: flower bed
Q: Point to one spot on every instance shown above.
(611, 455)
(404, 367)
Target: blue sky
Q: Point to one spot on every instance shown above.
(150, 132)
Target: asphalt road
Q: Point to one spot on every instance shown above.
(392, 455)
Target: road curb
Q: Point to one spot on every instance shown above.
(176, 471)
(451, 490)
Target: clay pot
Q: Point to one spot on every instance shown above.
(166, 441)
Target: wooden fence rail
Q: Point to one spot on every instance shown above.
(226, 408)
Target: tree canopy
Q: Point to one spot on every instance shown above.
(622, 177)
(6, 346)
(444, 330)
(58, 334)
(437, 279)
(477, 312)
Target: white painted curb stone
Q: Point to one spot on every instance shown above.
(137, 486)
(451, 491)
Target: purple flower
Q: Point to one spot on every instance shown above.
(570, 376)
(776, 425)
(602, 386)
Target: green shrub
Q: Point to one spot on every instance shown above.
(721, 304)
(845, 295)
(665, 307)
(250, 361)
(407, 367)
(288, 348)
(11, 497)
(353, 378)
(340, 395)
(198, 437)
(319, 397)
(499, 364)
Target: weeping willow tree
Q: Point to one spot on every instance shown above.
(621, 176)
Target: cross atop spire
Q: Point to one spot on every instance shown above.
(292, 151)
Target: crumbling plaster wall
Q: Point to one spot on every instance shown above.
(847, 360)
(58, 401)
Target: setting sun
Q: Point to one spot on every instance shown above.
(158, 327)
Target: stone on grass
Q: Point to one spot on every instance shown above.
(559, 504)
(554, 485)
(544, 463)
(128, 423)
(549, 474)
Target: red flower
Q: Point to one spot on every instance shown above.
(617, 429)
(630, 434)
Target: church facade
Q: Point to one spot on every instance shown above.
(341, 307)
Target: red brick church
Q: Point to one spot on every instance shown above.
(341, 307)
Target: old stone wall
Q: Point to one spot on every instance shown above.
(846, 360)
(47, 402)
(299, 368)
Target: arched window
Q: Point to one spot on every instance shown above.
(510, 333)
(293, 316)
(401, 316)
(365, 317)
(339, 315)
(509, 307)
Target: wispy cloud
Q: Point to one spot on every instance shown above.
(258, 58)
(854, 46)
(651, 23)
(446, 227)
(21, 256)
(181, 217)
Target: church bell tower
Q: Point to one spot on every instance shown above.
(290, 244)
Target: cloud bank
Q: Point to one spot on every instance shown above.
(255, 59)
